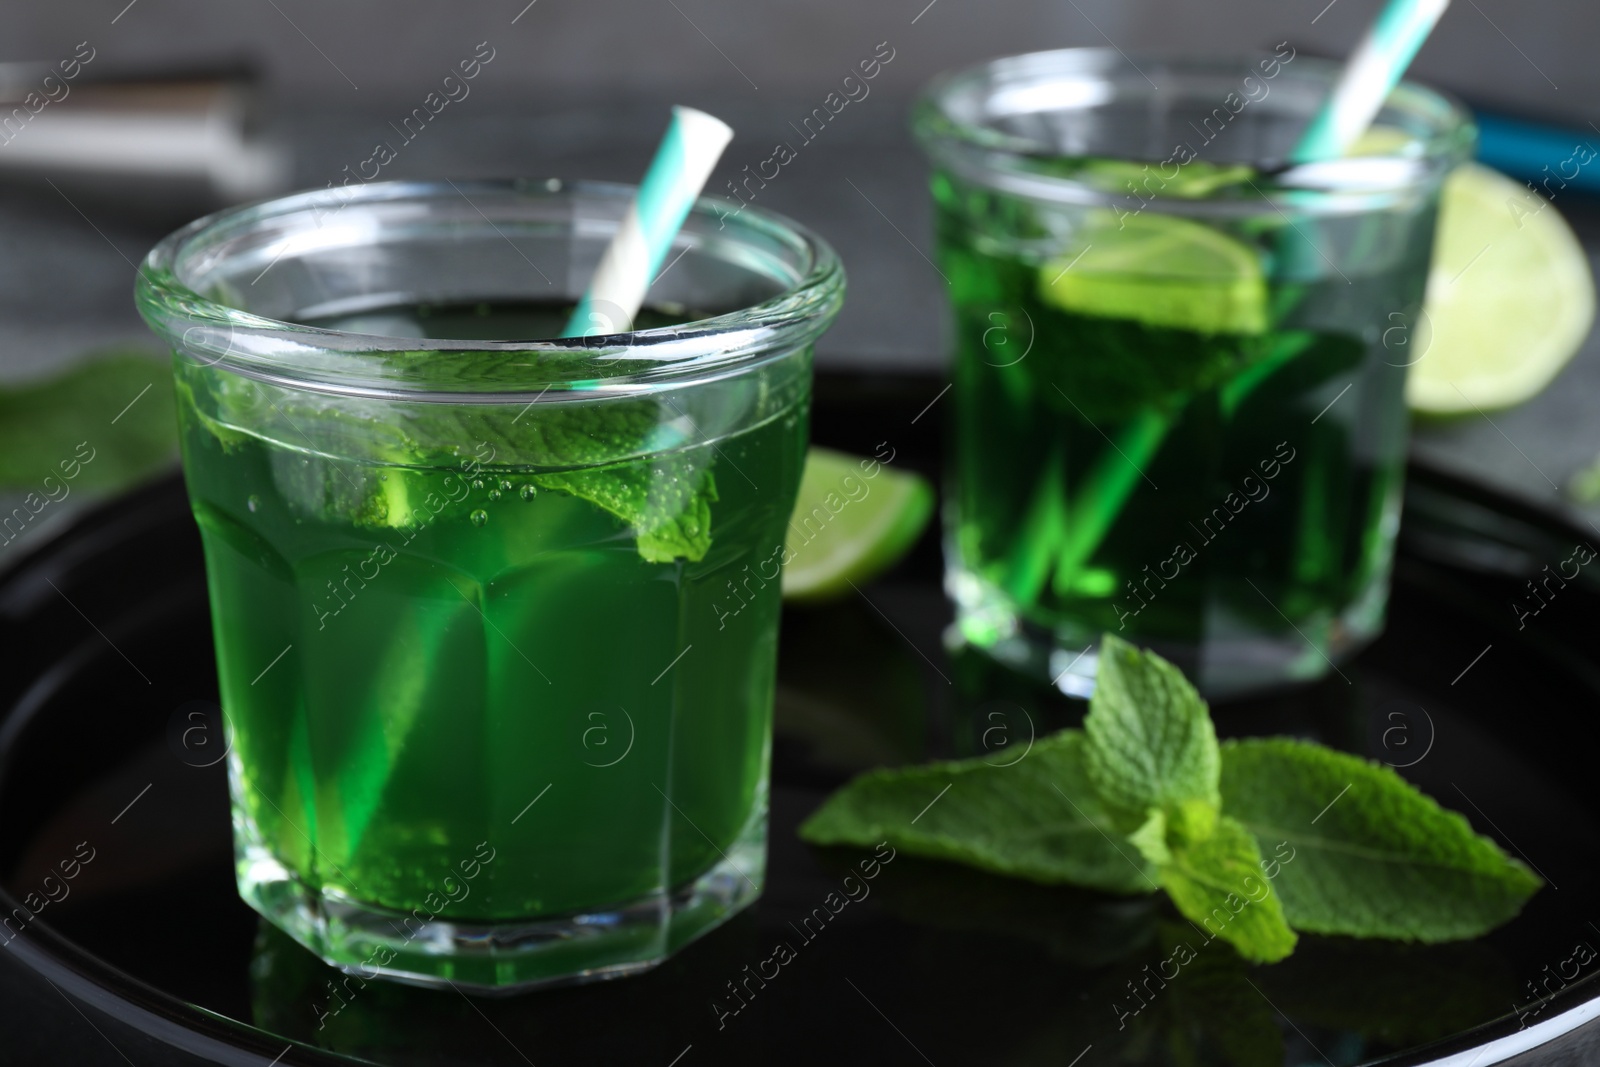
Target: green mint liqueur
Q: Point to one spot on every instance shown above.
(1187, 431)
(445, 625)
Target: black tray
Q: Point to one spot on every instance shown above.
(150, 958)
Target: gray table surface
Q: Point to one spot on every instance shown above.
(67, 260)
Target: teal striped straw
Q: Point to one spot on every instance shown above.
(1368, 77)
(689, 150)
(1371, 74)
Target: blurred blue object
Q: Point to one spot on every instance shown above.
(1565, 158)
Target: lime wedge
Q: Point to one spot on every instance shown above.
(1159, 270)
(1510, 297)
(849, 526)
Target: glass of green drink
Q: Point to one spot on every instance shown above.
(1180, 361)
(489, 722)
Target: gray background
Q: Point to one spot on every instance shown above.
(1509, 53)
(580, 89)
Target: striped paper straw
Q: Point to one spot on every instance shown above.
(1371, 74)
(689, 150)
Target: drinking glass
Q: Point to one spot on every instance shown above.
(491, 721)
(1180, 360)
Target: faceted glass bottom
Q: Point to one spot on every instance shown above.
(508, 957)
(1238, 661)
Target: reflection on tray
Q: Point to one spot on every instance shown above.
(1128, 977)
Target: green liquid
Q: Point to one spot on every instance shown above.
(1181, 489)
(398, 694)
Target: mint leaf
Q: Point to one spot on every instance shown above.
(666, 500)
(333, 457)
(1037, 819)
(1381, 860)
(1218, 884)
(43, 423)
(1148, 366)
(666, 497)
(1150, 739)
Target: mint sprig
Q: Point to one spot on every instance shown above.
(1240, 836)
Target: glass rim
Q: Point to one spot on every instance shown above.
(1000, 160)
(298, 356)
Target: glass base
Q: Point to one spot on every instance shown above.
(1235, 659)
(504, 957)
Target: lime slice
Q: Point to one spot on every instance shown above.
(1382, 141)
(848, 525)
(1510, 297)
(1162, 271)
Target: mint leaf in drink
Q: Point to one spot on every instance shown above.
(1038, 819)
(1149, 365)
(117, 405)
(1373, 856)
(665, 496)
(1218, 884)
(345, 459)
(1150, 739)
(667, 500)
